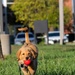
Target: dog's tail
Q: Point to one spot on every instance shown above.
(26, 34)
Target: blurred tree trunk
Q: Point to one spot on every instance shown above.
(1, 54)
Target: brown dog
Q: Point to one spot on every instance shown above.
(27, 52)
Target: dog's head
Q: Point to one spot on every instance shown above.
(26, 53)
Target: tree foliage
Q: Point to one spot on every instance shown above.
(27, 11)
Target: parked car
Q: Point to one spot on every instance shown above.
(54, 37)
(20, 38)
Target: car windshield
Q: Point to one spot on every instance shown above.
(23, 36)
(53, 34)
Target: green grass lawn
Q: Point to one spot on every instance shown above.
(52, 60)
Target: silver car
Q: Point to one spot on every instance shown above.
(20, 38)
(54, 37)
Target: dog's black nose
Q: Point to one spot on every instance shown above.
(27, 58)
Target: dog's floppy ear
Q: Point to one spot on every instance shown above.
(34, 54)
(34, 51)
(18, 54)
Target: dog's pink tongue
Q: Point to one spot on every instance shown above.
(27, 62)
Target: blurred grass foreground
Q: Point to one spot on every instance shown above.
(52, 60)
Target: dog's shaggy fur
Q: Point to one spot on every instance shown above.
(27, 51)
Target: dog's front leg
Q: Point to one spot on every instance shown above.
(25, 71)
(32, 72)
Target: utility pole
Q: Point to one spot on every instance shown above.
(5, 15)
(4, 37)
(73, 12)
(61, 21)
(1, 18)
(1, 28)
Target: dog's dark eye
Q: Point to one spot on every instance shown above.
(29, 54)
(23, 54)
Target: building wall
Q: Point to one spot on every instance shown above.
(68, 27)
(68, 3)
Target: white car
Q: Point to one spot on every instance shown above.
(20, 38)
(54, 37)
